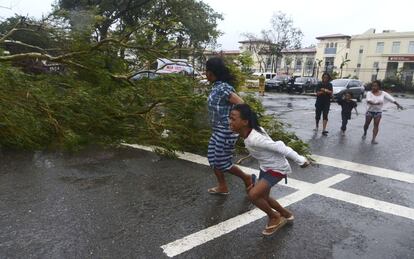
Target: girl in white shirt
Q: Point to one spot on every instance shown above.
(375, 101)
(274, 166)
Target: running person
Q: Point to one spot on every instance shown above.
(323, 102)
(274, 166)
(375, 101)
(347, 105)
(222, 142)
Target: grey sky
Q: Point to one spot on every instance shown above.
(313, 17)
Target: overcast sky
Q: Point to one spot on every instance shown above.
(313, 17)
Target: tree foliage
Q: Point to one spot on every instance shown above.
(174, 28)
(90, 98)
(281, 35)
(246, 61)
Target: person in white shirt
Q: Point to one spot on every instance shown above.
(375, 101)
(274, 166)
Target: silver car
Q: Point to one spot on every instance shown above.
(340, 86)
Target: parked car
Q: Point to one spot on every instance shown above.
(168, 66)
(354, 86)
(304, 84)
(151, 74)
(290, 85)
(277, 83)
(267, 75)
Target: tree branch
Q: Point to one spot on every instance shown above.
(15, 42)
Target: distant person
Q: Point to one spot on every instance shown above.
(323, 102)
(347, 105)
(273, 164)
(262, 80)
(291, 84)
(375, 101)
(222, 142)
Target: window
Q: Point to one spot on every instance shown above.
(411, 47)
(336, 44)
(395, 47)
(361, 51)
(380, 47)
(332, 45)
(346, 55)
(358, 65)
(376, 64)
(298, 65)
(327, 45)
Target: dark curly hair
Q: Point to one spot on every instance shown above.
(217, 66)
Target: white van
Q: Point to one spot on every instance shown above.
(267, 75)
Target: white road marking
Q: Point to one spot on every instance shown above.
(323, 160)
(365, 169)
(367, 202)
(305, 189)
(189, 242)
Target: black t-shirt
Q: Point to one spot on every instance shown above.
(347, 106)
(324, 98)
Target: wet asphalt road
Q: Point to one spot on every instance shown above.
(126, 203)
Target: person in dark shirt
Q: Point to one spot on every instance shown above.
(323, 102)
(347, 105)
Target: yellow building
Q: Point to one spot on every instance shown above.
(332, 51)
(368, 56)
(382, 55)
(263, 61)
(298, 62)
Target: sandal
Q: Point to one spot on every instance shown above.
(269, 230)
(215, 192)
(290, 219)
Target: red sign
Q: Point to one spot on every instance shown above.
(401, 58)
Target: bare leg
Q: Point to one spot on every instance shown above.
(375, 130)
(247, 178)
(368, 120)
(324, 124)
(257, 196)
(222, 184)
(276, 206)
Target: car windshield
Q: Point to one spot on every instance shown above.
(301, 79)
(339, 83)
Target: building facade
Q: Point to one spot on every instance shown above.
(260, 51)
(368, 56)
(298, 62)
(383, 55)
(332, 51)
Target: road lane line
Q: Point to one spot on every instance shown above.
(305, 189)
(203, 236)
(367, 202)
(323, 160)
(365, 169)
